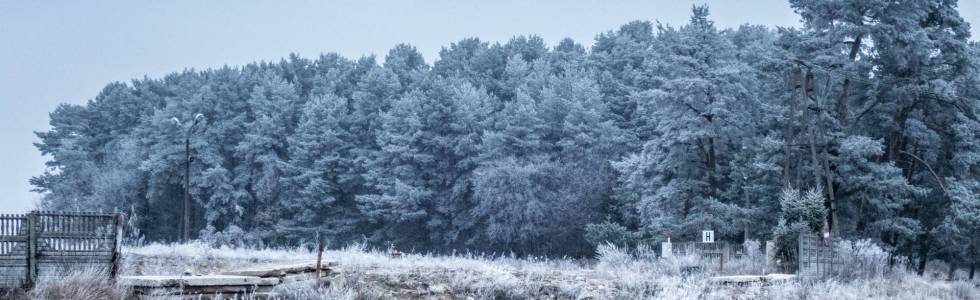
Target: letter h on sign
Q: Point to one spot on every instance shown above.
(708, 236)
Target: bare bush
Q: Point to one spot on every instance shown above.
(612, 256)
(864, 259)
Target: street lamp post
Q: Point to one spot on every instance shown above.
(186, 224)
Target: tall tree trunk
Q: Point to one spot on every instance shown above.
(892, 239)
(923, 254)
(830, 181)
(973, 269)
(845, 90)
(251, 208)
(806, 84)
(711, 161)
(921, 269)
(788, 144)
(952, 271)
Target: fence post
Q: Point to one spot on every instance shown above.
(799, 254)
(32, 233)
(319, 257)
(117, 247)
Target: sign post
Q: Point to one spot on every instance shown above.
(707, 236)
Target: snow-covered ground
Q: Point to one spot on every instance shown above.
(616, 274)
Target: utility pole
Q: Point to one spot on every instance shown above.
(187, 187)
(186, 213)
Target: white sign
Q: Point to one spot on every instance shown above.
(708, 236)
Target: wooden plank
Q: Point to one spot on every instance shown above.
(70, 257)
(17, 266)
(750, 279)
(69, 262)
(75, 214)
(74, 253)
(15, 238)
(275, 270)
(195, 281)
(78, 235)
(32, 249)
(73, 260)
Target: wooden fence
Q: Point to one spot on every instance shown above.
(708, 250)
(817, 257)
(44, 245)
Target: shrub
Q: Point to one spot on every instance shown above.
(609, 233)
(863, 259)
(800, 213)
(233, 236)
(611, 256)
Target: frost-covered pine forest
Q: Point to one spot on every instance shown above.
(865, 118)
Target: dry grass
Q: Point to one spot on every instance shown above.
(83, 284)
(13, 294)
(616, 274)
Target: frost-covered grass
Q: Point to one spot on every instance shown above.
(73, 284)
(199, 258)
(616, 273)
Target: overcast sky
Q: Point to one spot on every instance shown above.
(54, 52)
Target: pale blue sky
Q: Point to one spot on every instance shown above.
(55, 52)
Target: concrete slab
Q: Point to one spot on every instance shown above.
(195, 281)
(275, 270)
(748, 279)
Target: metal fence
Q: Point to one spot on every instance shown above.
(708, 250)
(44, 245)
(817, 257)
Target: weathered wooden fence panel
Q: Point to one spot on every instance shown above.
(13, 250)
(47, 245)
(817, 257)
(709, 250)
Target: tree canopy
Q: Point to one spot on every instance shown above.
(870, 110)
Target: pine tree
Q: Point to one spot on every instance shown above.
(406, 61)
(321, 175)
(263, 151)
(422, 170)
(696, 114)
